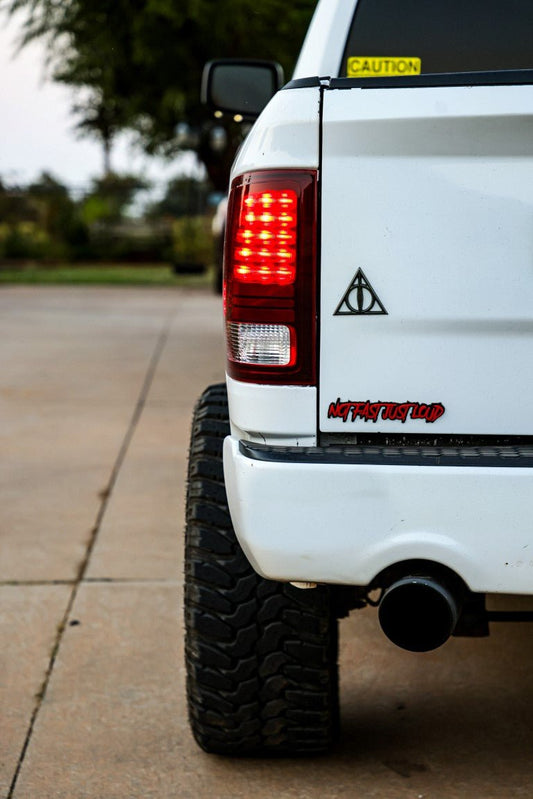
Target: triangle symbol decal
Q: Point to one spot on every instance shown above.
(360, 299)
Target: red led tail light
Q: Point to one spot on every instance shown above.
(265, 239)
(270, 277)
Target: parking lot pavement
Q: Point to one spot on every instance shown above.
(96, 395)
(95, 402)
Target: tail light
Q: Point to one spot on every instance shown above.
(270, 277)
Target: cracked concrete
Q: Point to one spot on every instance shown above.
(96, 394)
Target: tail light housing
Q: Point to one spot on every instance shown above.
(270, 277)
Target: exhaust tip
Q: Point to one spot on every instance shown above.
(418, 613)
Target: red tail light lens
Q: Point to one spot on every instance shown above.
(265, 239)
(269, 277)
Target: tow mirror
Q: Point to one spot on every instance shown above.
(240, 87)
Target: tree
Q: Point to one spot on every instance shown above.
(183, 197)
(110, 196)
(40, 221)
(86, 52)
(58, 214)
(174, 41)
(141, 60)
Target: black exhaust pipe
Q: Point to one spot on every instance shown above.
(419, 613)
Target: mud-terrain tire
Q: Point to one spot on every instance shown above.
(261, 656)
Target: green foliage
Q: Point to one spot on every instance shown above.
(110, 197)
(39, 221)
(134, 243)
(23, 240)
(16, 205)
(192, 241)
(184, 196)
(58, 215)
(42, 222)
(101, 274)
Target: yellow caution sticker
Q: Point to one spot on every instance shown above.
(382, 66)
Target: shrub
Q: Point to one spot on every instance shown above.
(192, 241)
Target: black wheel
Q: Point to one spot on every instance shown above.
(261, 656)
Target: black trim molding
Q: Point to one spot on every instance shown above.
(514, 457)
(303, 83)
(506, 77)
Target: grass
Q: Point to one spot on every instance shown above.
(101, 274)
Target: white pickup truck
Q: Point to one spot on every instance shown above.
(378, 290)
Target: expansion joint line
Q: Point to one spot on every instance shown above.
(84, 565)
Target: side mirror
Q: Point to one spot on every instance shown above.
(240, 87)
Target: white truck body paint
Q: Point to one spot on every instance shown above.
(322, 49)
(286, 135)
(429, 191)
(285, 415)
(438, 186)
(345, 524)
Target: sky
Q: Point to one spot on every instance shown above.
(37, 130)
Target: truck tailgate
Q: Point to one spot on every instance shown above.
(426, 303)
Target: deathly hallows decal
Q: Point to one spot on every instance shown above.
(360, 299)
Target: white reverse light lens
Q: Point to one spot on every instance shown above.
(264, 345)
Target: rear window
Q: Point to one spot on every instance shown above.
(391, 38)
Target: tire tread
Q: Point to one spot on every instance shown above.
(261, 656)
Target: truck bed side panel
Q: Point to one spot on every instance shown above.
(427, 260)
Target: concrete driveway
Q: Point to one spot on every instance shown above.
(96, 392)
